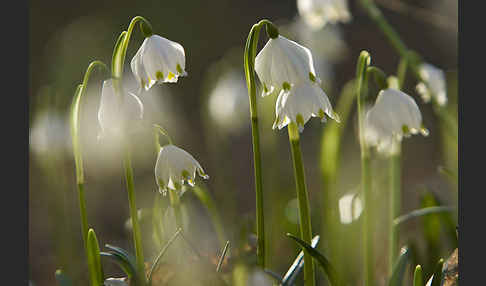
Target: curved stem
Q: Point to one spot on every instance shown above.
(361, 90)
(78, 158)
(249, 59)
(303, 199)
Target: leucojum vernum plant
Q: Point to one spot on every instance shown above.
(283, 71)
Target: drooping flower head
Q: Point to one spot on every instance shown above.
(434, 85)
(114, 113)
(317, 13)
(298, 105)
(158, 60)
(394, 115)
(174, 167)
(282, 64)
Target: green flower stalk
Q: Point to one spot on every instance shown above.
(364, 61)
(303, 199)
(249, 65)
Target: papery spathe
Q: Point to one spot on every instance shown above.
(394, 115)
(115, 112)
(174, 167)
(158, 60)
(283, 63)
(301, 103)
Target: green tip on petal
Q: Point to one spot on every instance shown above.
(265, 89)
(312, 77)
(170, 76)
(286, 86)
(159, 75)
(405, 130)
(300, 122)
(179, 69)
(321, 114)
(186, 175)
(424, 131)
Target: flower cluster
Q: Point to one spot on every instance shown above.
(287, 68)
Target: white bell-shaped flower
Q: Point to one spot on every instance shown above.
(394, 115)
(317, 13)
(174, 167)
(283, 63)
(301, 103)
(158, 60)
(434, 85)
(115, 112)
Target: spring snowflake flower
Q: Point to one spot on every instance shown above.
(113, 113)
(434, 85)
(317, 13)
(158, 60)
(283, 63)
(300, 103)
(394, 115)
(174, 167)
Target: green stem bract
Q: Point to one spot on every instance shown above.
(361, 90)
(137, 237)
(303, 200)
(394, 204)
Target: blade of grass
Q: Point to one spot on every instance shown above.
(298, 264)
(220, 262)
(437, 279)
(323, 261)
(162, 252)
(421, 212)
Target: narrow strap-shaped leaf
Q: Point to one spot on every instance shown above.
(63, 279)
(396, 278)
(124, 264)
(297, 266)
(418, 278)
(437, 279)
(94, 261)
(122, 252)
(162, 252)
(323, 261)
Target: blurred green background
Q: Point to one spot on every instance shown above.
(206, 113)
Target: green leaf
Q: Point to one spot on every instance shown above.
(123, 253)
(297, 266)
(418, 278)
(94, 261)
(323, 261)
(122, 262)
(398, 272)
(63, 279)
(437, 279)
